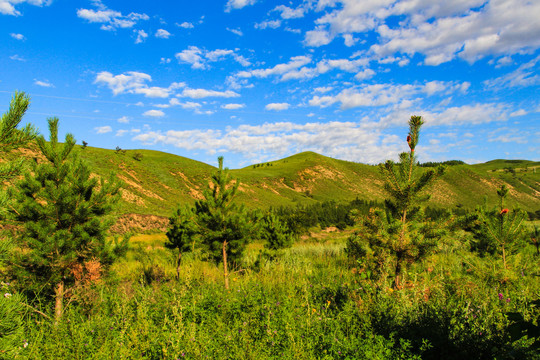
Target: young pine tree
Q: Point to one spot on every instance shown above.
(61, 208)
(400, 236)
(276, 233)
(11, 304)
(181, 234)
(499, 230)
(225, 228)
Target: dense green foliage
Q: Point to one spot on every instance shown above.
(11, 304)
(224, 227)
(500, 230)
(182, 233)
(61, 207)
(399, 235)
(308, 304)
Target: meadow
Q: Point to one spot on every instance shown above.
(312, 302)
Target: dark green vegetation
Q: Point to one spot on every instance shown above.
(326, 278)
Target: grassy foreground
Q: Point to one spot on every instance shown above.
(312, 302)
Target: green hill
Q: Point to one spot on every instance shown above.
(158, 182)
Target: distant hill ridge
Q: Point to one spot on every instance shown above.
(156, 182)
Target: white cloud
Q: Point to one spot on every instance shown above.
(17, 36)
(154, 113)
(238, 4)
(165, 60)
(233, 106)
(277, 106)
(497, 28)
(110, 19)
(374, 95)
(133, 82)
(186, 25)
(7, 7)
(439, 30)
(203, 93)
(162, 34)
(103, 129)
(45, 83)
(317, 37)
(290, 13)
(272, 24)
(323, 89)
(236, 31)
(344, 140)
(519, 112)
(124, 120)
(17, 58)
(280, 69)
(200, 58)
(524, 75)
(141, 36)
(364, 74)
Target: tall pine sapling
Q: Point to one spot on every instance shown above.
(400, 235)
(276, 233)
(181, 234)
(11, 304)
(225, 228)
(62, 210)
(500, 230)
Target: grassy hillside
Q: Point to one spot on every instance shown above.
(157, 182)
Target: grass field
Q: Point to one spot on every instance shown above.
(312, 302)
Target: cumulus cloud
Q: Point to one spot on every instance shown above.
(141, 36)
(103, 129)
(110, 19)
(374, 95)
(200, 58)
(345, 140)
(124, 120)
(7, 7)
(296, 69)
(186, 25)
(162, 34)
(233, 106)
(154, 113)
(17, 36)
(277, 106)
(133, 82)
(440, 31)
(238, 4)
(283, 70)
(290, 13)
(272, 24)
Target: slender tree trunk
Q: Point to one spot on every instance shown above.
(504, 257)
(59, 302)
(178, 262)
(398, 273)
(225, 271)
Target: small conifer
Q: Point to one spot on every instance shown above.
(225, 227)
(61, 208)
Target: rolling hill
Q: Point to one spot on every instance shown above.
(157, 182)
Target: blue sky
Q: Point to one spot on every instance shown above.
(259, 80)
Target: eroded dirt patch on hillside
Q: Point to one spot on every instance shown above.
(139, 223)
